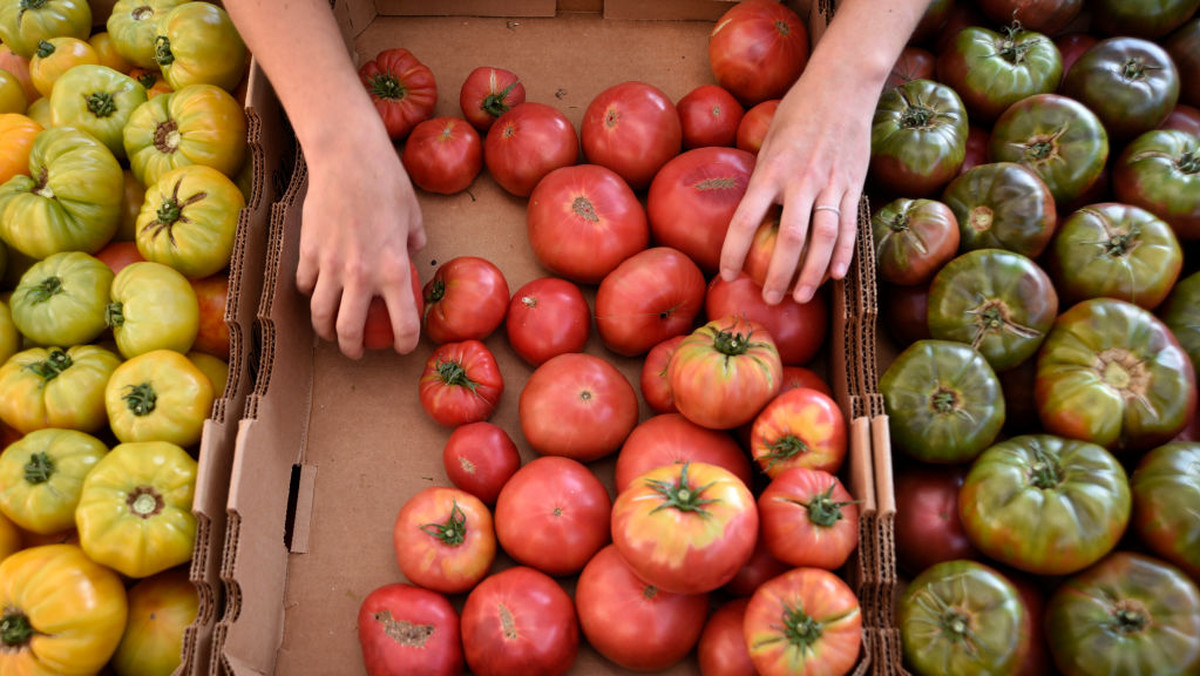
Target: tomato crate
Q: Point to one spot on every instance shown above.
(328, 448)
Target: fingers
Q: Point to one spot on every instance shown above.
(352, 320)
(402, 310)
(789, 244)
(843, 251)
(827, 214)
(326, 297)
(749, 215)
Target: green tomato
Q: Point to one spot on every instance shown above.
(98, 100)
(918, 138)
(197, 43)
(153, 307)
(1166, 501)
(992, 71)
(61, 300)
(133, 25)
(1181, 313)
(41, 478)
(199, 124)
(25, 23)
(189, 220)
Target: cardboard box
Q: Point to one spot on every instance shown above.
(329, 449)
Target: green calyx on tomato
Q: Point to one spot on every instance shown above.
(52, 366)
(44, 48)
(454, 531)
(114, 314)
(387, 86)
(1134, 69)
(15, 628)
(681, 495)
(823, 510)
(1045, 473)
(148, 79)
(145, 502)
(170, 211)
(1189, 162)
(917, 117)
(39, 469)
(995, 316)
(437, 291)
(1010, 49)
(101, 104)
(162, 51)
(1130, 618)
(784, 449)
(453, 373)
(45, 290)
(141, 399)
(494, 103)
(800, 630)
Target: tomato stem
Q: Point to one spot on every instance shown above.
(916, 117)
(140, 399)
(944, 401)
(1045, 472)
(49, 368)
(1189, 162)
(801, 629)
(44, 291)
(453, 373)
(32, 4)
(823, 510)
(44, 49)
(15, 628)
(1133, 68)
(1010, 50)
(680, 494)
(171, 211)
(454, 531)
(39, 469)
(1128, 621)
(386, 86)
(898, 222)
(145, 502)
(437, 291)
(101, 104)
(147, 79)
(785, 448)
(730, 343)
(162, 51)
(494, 103)
(114, 314)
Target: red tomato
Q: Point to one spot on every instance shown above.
(377, 332)
(579, 406)
(709, 116)
(799, 428)
(526, 143)
(547, 317)
(795, 377)
(632, 623)
(928, 528)
(466, 299)
(402, 88)
(212, 293)
(461, 383)
(1071, 46)
(914, 63)
(686, 528)
(553, 515)
(444, 540)
(809, 519)
(725, 372)
(443, 155)
(633, 129)
(488, 93)
(408, 630)
(119, 254)
(757, 49)
(959, 16)
(798, 329)
(722, 648)
(479, 458)
(656, 389)
(692, 200)
(977, 143)
(753, 127)
(583, 220)
(673, 439)
(519, 621)
(653, 295)
(762, 247)
(905, 311)
(1182, 117)
(761, 567)
(803, 623)
(1040, 16)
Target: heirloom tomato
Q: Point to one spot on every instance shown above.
(466, 300)
(132, 198)
(133, 25)
(153, 307)
(803, 623)
(443, 155)
(752, 130)
(1181, 314)
(161, 607)
(686, 528)
(579, 406)
(1131, 84)
(106, 52)
(914, 238)
(10, 337)
(914, 63)
(98, 100)
(1072, 46)
(977, 143)
(709, 116)
(757, 49)
(527, 143)
(377, 330)
(547, 317)
(404, 629)
(118, 254)
(12, 97)
(1159, 171)
(152, 80)
(992, 70)
(158, 396)
(1184, 47)
(17, 67)
(41, 477)
(480, 458)
(918, 138)
(656, 388)
(56, 56)
(198, 124)
(488, 93)
(212, 295)
(63, 614)
(943, 17)
(1132, 17)
(1048, 17)
(56, 388)
(808, 518)
(1002, 205)
(197, 43)
(725, 372)
(721, 650)
(60, 300)
(759, 569)
(461, 383)
(10, 538)
(633, 129)
(444, 540)
(1166, 496)
(402, 88)
(798, 329)
(928, 528)
(796, 377)
(189, 220)
(17, 133)
(25, 23)
(799, 428)
(651, 296)
(671, 439)
(215, 368)
(519, 621)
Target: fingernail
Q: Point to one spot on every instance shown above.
(772, 297)
(728, 275)
(804, 294)
(839, 270)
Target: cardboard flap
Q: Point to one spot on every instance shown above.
(882, 446)
(862, 473)
(508, 8)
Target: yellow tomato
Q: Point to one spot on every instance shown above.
(106, 50)
(12, 96)
(189, 220)
(153, 308)
(215, 368)
(18, 65)
(160, 608)
(55, 57)
(198, 124)
(39, 111)
(152, 80)
(41, 477)
(10, 538)
(16, 140)
(53, 387)
(10, 337)
(159, 396)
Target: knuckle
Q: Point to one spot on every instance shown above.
(792, 235)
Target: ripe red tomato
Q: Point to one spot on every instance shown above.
(1048, 18)
(686, 528)
(466, 299)
(796, 377)
(761, 567)
(526, 143)
(403, 89)
(905, 310)
(488, 93)
(444, 540)
(119, 254)
(914, 63)
(443, 155)
(633, 129)
(709, 116)
(799, 428)
(519, 621)
(809, 519)
(579, 406)
(928, 528)
(656, 389)
(977, 148)
(583, 220)
(408, 630)
(673, 439)
(1182, 118)
(722, 648)
(377, 332)
(479, 458)
(461, 383)
(547, 317)
(798, 329)
(693, 198)
(754, 125)
(212, 293)
(653, 295)
(807, 622)
(632, 623)
(553, 515)
(1071, 46)
(725, 372)
(757, 50)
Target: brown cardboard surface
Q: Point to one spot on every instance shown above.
(705, 10)
(506, 8)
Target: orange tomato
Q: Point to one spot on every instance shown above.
(16, 139)
(107, 52)
(18, 66)
(55, 57)
(152, 80)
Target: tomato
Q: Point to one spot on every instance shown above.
(133, 25)
(798, 329)
(117, 255)
(1129, 613)
(547, 317)
(1111, 373)
(56, 56)
(992, 71)
(212, 295)
(752, 130)
(1002, 205)
(480, 458)
(198, 44)
(757, 49)
(41, 477)
(806, 622)
(519, 621)
(1184, 47)
(693, 198)
(161, 607)
(1159, 171)
(1057, 137)
(10, 338)
(709, 116)
(1072, 45)
(10, 538)
(943, 401)
(1130, 83)
(488, 93)
(402, 88)
(808, 518)
(633, 129)
(158, 396)
(527, 143)
(12, 97)
(443, 155)
(405, 629)
(1044, 16)
(199, 124)
(918, 138)
(796, 377)
(636, 625)
(24, 24)
(653, 295)
(583, 220)
(1165, 493)
(132, 198)
(725, 372)
(466, 299)
(152, 80)
(686, 528)
(153, 308)
(106, 52)
(998, 302)
(1183, 118)
(63, 614)
(928, 528)
(937, 21)
(98, 100)
(962, 617)
(38, 111)
(673, 439)
(914, 238)
(61, 300)
(722, 647)
(189, 220)
(56, 388)
(761, 567)
(1182, 315)
(1126, 17)
(18, 67)
(377, 331)
(799, 428)
(914, 63)
(18, 133)
(215, 368)
(656, 388)
(461, 383)
(444, 540)
(577, 405)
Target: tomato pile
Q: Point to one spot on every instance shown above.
(123, 170)
(1035, 174)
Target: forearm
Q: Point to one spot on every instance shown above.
(863, 41)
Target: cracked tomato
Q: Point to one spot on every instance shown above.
(404, 629)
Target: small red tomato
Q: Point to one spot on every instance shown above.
(547, 317)
(809, 519)
(488, 93)
(722, 648)
(799, 329)
(526, 143)
(212, 293)
(651, 296)
(466, 299)
(479, 458)
(377, 332)
(519, 621)
(444, 540)
(753, 127)
(402, 88)
(443, 155)
(761, 567)
(928, 527)
(119, 254)
(795, 377)
(656, 389)
(633, 129)
(710, 116)
(579, 406)
(408, 630)
(461, 384)
(671, 439)
(799, 428)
